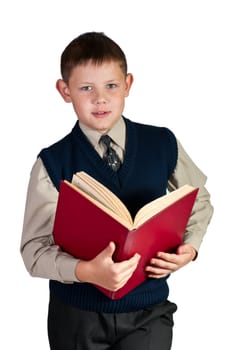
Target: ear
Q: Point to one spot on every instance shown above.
(129, 81)
(63, 89)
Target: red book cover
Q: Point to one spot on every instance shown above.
(83, 230)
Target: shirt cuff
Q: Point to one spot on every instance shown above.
(66, 267)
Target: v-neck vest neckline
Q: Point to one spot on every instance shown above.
(101, 169)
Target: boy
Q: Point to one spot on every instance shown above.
(144, 162)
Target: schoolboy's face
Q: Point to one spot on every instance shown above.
(97, 93)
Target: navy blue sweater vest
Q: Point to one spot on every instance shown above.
(150, 159)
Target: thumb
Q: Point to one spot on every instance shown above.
(186, 249)
(110, 249)
(180, 250)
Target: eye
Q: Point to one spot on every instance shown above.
(86, 88)
(111, 86)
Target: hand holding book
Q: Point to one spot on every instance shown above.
(104, 272)
(165, 263)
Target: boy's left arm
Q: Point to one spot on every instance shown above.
(186, 172)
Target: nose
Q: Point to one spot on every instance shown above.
(99, 97)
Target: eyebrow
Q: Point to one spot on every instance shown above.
(106, 82)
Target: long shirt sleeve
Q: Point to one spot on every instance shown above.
(187, 172)
(41, 256)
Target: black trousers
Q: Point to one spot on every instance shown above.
(72, 329)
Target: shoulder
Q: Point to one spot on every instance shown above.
(161, 133)
(57, 158)
(57, 147)
(62, 147)
(157, 139)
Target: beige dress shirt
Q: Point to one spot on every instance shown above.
(44, 259)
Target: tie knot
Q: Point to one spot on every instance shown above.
(105, 139)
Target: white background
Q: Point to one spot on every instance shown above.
(180, 55)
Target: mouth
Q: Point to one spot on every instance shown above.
(101, 114)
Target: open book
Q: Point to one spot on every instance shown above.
(89, 216)
(102, 197)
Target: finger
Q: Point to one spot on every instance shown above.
(157, 270)
(164, 264)
(167, 256)
(158, 276)
(128, 266)
(125, 269)
(135, 259)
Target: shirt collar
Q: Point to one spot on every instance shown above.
(117, 133)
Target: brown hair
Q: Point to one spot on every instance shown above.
(92, 46)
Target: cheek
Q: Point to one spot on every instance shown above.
(121, 103)
(80, 103)
(119, 100)
(78, 109)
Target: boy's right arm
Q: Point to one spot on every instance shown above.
(41, 257)
(44, 259)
